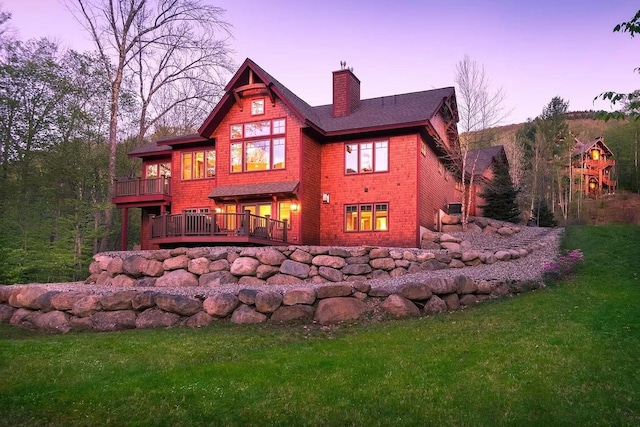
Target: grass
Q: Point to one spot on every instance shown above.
(563, 356)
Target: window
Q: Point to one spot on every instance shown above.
(156, 170)
(367, 217)
(258, 146)
(199, 164)
(257, 106)
(366, 157)
(284, 212)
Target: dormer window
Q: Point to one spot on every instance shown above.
(257, 107)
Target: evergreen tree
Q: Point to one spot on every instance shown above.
(500, 195)
(542, 216)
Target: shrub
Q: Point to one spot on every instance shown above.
(542, 216)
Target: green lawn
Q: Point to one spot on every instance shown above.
(567, 355)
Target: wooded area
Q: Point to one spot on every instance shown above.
(65, 131)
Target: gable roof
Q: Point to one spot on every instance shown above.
(374, 114)
(388, 112)
(478, 161)
(583, 147)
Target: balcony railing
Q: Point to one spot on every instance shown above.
(217, 226)
(129, 187)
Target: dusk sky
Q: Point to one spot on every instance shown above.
(534, 50)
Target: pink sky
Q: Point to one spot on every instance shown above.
(533, 49)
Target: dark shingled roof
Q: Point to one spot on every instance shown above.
(150, 149)
(583, 147)
(479, 160)
(250, 190)
(383, 113)
(386, 111)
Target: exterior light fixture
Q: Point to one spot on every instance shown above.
(294, 207)
(592, 185)
(325, 198)
(218, 210)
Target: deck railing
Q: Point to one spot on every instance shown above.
(218, 225)
(143, 187)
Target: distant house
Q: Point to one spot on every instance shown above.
(480, 164)
(592, 167)
(267, 168)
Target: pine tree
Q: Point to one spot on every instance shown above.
(542, 216)
(500, 196)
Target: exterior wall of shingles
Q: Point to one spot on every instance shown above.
(396, 187)
(291, 172)
(436, 190)
(311, 191)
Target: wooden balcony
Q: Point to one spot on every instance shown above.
(213, 229)
(138, 192)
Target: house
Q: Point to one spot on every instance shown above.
(592, 168)
(265, 167)
(479, 163)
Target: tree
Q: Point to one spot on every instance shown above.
(479, 109)
(632, 99)
(500, 195)
(541, 215)
(159, 44)
(547, 150)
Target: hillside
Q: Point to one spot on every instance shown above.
(622, 207)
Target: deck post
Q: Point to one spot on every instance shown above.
(247, 218)
(125, 229)
(284, 230)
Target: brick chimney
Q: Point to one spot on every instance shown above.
(346, 92)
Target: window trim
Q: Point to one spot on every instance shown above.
(374, 209)
(359, 156)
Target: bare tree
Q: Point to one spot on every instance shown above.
(480, 109)
(158, 42)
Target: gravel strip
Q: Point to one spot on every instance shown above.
(528, 268)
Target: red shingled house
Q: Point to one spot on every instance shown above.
(592, 167)
(266, 168)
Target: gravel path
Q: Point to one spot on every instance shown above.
(528, 268)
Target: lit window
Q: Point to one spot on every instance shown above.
(257, 107)
(595, 155)
(151, 171)
(284, 212)
(255, 152)
(199, 164)
(366, 157)
(367, 217)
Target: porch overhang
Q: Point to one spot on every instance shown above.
(252, 191)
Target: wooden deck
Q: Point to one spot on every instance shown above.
(209, 229)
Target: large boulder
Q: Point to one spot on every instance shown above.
(246, 315)
(176, 262)
(179, 304)
(177, 278)
(198, 266)
(283, 279)
(86, 306)
(156, 318)
(244, 266)
(217, 278)
(340, 309)
(334, 290)
(221, 305)
(270, 256)
(386, 264)
(329, 261)
(301, 256)
(399, 306)
(198, 320)
(357, 269)
(299, 296)
(415, 291)
(442, 285)
(293, 313)
(106, 321)
(434, 305)
(118, 300)
(330, 274)
(268, 302)
(54, 321)
(296, 269)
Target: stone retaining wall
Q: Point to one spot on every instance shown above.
(290, 265)
(34, 306)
